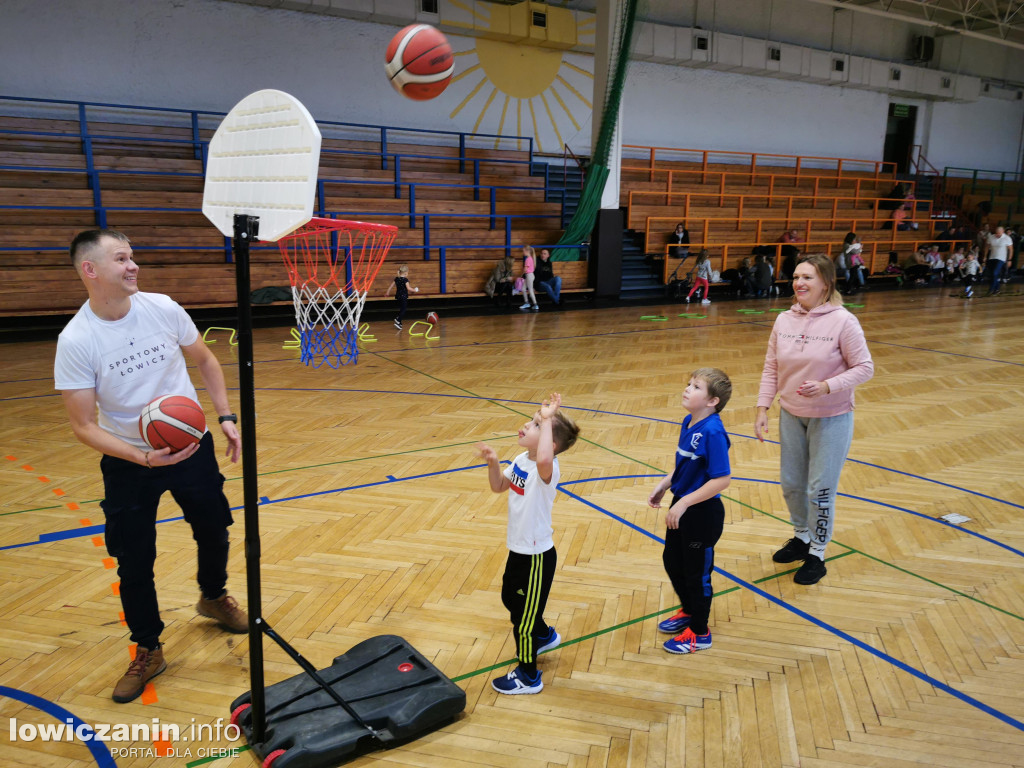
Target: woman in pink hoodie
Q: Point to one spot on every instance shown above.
(816, 356)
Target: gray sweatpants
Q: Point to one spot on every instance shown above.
(812, 456)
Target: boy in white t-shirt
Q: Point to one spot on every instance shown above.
(532, 482)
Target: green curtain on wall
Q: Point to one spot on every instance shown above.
(582, 223)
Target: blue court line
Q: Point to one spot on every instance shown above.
(82, 531)
(943, 352)
(98, 749)
(95, 530)
(806, 616)
(776, 482)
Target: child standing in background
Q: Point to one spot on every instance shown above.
(529, 266)
(532, 483)
(401, 286)
(702, 274)
(696, 518)
(969, 270)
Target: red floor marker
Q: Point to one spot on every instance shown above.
(120, 615)
(72, 506)
(43, 479)
(59, 491)
(27, 468)
(10, 458)
(116, 587)
(108, 563)
(85, 521)
(131, 651)
(161, 747)
(97, 541)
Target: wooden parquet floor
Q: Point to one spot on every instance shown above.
(378, 519)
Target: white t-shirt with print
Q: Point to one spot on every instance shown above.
(530, 500)
(129, 362)
(998, 247)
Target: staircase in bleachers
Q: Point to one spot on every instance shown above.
(640, 280)
(460, 205)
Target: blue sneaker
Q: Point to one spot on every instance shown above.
(688, 642)
(516, 682)
(675, 623)
(552, 640)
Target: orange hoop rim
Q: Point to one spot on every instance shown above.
(320, 224)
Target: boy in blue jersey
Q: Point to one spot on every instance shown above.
(696, 517)
(532, 482)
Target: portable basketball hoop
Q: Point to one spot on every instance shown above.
(331, 265)
(260, 184)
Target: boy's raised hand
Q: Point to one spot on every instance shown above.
(486, 453)
(549, 407)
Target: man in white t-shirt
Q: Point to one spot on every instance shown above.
(997, 250)
(122, 350)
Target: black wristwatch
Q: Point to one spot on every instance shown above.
(233, 418)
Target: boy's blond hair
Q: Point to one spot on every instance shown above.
(718, 383)
(564, 431)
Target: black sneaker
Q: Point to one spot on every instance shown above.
(811, 572)
(793, 550)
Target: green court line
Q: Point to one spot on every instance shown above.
(624, 624)
(292, 469)
(205, 760)
(729, 498)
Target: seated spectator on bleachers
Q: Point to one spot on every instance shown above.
(737, 276)
(679, 238)
(788, 248)
(499, 284)
(893, 267)
(953, 262)
(936, 262)
(893, 197)
(547, 280)
(917, 267)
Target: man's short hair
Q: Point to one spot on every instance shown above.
(89, 239)
(718, 383)
(564, 431)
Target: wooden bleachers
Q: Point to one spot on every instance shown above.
(151, 185)
(730, 207)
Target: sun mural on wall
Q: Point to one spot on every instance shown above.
(520, 88)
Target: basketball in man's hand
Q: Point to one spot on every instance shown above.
(172, 421)
(419, 62)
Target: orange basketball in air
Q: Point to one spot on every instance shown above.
(419, 62)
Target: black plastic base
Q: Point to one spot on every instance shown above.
(384, 679)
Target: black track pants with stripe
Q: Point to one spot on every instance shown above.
(524, 591)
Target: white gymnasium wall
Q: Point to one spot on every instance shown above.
(986, 134)
(700, 108)
(206, 54)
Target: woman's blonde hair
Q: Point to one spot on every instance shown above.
(826, 270)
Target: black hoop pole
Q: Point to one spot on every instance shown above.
(246, 230)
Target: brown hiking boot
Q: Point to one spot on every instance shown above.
(226, 612)
(146, 665)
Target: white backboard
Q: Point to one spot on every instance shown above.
(263, 161)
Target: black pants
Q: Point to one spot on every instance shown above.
(403, 305)
(524, 591)
(689, 558)
(132, 494)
